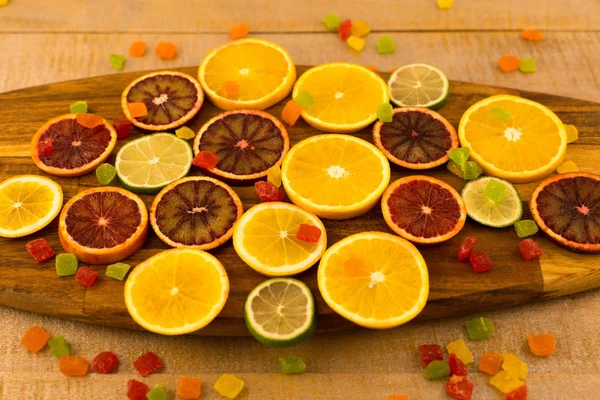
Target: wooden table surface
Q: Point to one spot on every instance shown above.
(53, 40)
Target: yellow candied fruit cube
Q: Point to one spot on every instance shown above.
(506, 382)
(356, 43)
(274, 175)
(459, 347)
(572, 133)
(4, 3)
(360, 28)
(515, 366)
(567, 166)
(444, 4)
(229, 386)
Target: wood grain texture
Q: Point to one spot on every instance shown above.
(454, 289)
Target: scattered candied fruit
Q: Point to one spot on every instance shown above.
(530, 249)
(460, 155)
(230, 89)
(45, 147)
(501, 114)
(166, 50)
(506, 382)
(542, 345)
(35, 339)
(137, 49)
(105, 362)
(526, 227)
(398, 397)
(206, 160)
(459, 347)
(137, 109)
(480, 262)
(515, 366)
(291, 112)
(572, 133)
(189, 388)
(66, 264)
(479, 328)
(117, 61)
(466, 247)
(519, 394)
(73, 365)
(105, 173)
(304, 99)
(532, 34)
(79, 107)
(457, 367)
(567, 166)
(147, 363)
(86, 276)
(444, 4)
(430, 352)
(490, 363)
(238, 31)
(89, 121)
(292, 365)
(345, 29)
(122, 127)
(437, 369)
(360, 28)
(274, 176)
(58, 347)
(509, 63)
(355, 43)
(136, 390)
(372, 68)
(308, 233)
(527, 65)
(185, 133)
(332, 21)
(459, 387)
(40, 250)
(266, 191)
(229, 386)
(385, 112)
(386, 45)
(118, 271)
(157, 392)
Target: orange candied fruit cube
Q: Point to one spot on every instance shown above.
(291, 112)
(372, 68)
(532, 34)
(490, 363)
(73, 365)
(89, 121)
(509, 63)
(137, 110)
(238, 31)
(355, 266)
(35, 339)
(542, 345)
(189, 388)
(230, 89)
(401, 397)
(166, 50)
(138, 49)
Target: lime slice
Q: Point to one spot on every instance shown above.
(150, 163)
(418, 85)
(497, 214)
(280, 312)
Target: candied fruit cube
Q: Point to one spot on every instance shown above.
(458, 387)
(291, 112)
(344, 29)
(238, 31)
(58, 347)
(229, 386)
(118, 271)
(89, 121)
(385, 112)
(479, 328)
(567, 166)
(360, 28)
(79, 107)
(356, 267)
(509, 63)
(444, 4)
(292, 365)
(35, 339)
(166, 50)
(572, 133)
(45, 147)
(455, 169)
(332, 21)
(542, 345)
(519, 394)
(105, 362)
(494, 191)
(527, 65)
(86, 276)
(430, 352)
(4, 3)
(73, 365)
(515, 366)
(466, 247)
(137, 49)
(185, 133)
(386, 45)
(266, 191)
(136, 390)
(122, 127)
(530, 249)
(437, 369)
(147, 363)
(230, 89)
(105, 173)
(505, 382)
(274, 176)
(117, 61)
(40, 250)
(355, 43)
(66, 264)
(137, 110)
(398, 397)
(372, 68)
(532, 34)
(157, 392)
(206, 160)
(308, 233)
(501, 114)
(471, 170)
(305, 99)
(460, 155)
(490, 363)
(459, 347)
(480, 262)
(457, 367)
(526, 227)
(189, 388)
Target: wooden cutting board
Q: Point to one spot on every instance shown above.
(454, 288)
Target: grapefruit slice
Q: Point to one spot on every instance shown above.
(77, 150)
(248, 144)
(417, 138)
(171, 98)
(103, 225)
(566, 207)
(423, 209)
(195, 212)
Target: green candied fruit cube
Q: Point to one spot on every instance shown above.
(66, 264)
(385, 112)
(526, 227)
(79, 107)
(185, 133)
(332, 21)
(117, 61)
(501, 114)
(460, 155)
(305, 99)
(386, 45)
(58, 347)
(157, 393)
(106, 173)
(292, 365)
(495, 191)
(527, 65)
(479, 328)
(118, 271)
(455, 169)
(437, 369)
(471, 170)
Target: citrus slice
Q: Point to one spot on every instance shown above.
(423, 209)
(345, 95)
(418, 85)
(490, 212)
(265, 238)
(27, 204)
(171, 98)
(77, 150)
(176, 291)
(262, 71)
(195, 212)
(374, 279)
(416, 138)
(513, 138)
(103, 225)
(248, 143)
(567, 209)
(280, 312)
(335, 176)
(148, 164)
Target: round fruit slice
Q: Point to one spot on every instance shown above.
(374, 279)
(176, 291)
(195, 212)
(567, 208)
(335, 176)
(423, 209)
(280, 312)
(171, 98)
(248, 143)
(148, 164)
(496, 204)
(265, 238)
(513, 138)
(103, 225)
(77, 150)
(418, 85)
(262, 71)
(346, 96)
(27, 204)
(417, 138)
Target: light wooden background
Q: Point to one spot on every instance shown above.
(54, 40)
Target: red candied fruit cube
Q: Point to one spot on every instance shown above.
(457, 367)
(430, 352)
(308, 233)
(206, 160)
(147, 363)
(40, 250)
(45, 147)
(530, 249)
(266, 191)
(519, 394)
(136, 390)
(466, 247)
(105, 362)
(480, 262)
(86, 276)
(459, 388)
(345, 28)
(122, 127)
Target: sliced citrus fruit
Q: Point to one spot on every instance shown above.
(176, 291)
(416, 138)
(513, 138)
(423, 209)
(567, 209)
(345, 95)
(148, 164)
(335, 176)
(262, 72)
(266, 239)
(196, 211)
(418, 85)
(103, 225)
(171, 98)
(280, 312)
(499, 212)
(248, 143)
(76, 150)
(27, 204)
(374, 279)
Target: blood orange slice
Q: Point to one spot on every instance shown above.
(423, 209)
(76, 150)
(195, 212)
(567, 208)
(171, 98)
(417, 138)
(103, 225)
(248, 143)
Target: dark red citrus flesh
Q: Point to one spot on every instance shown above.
(246, 144)
(103, 219)
(196, 212)
(168, 98)
(74, 145)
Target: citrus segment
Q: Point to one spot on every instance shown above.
(500, 210)
(418, 85)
